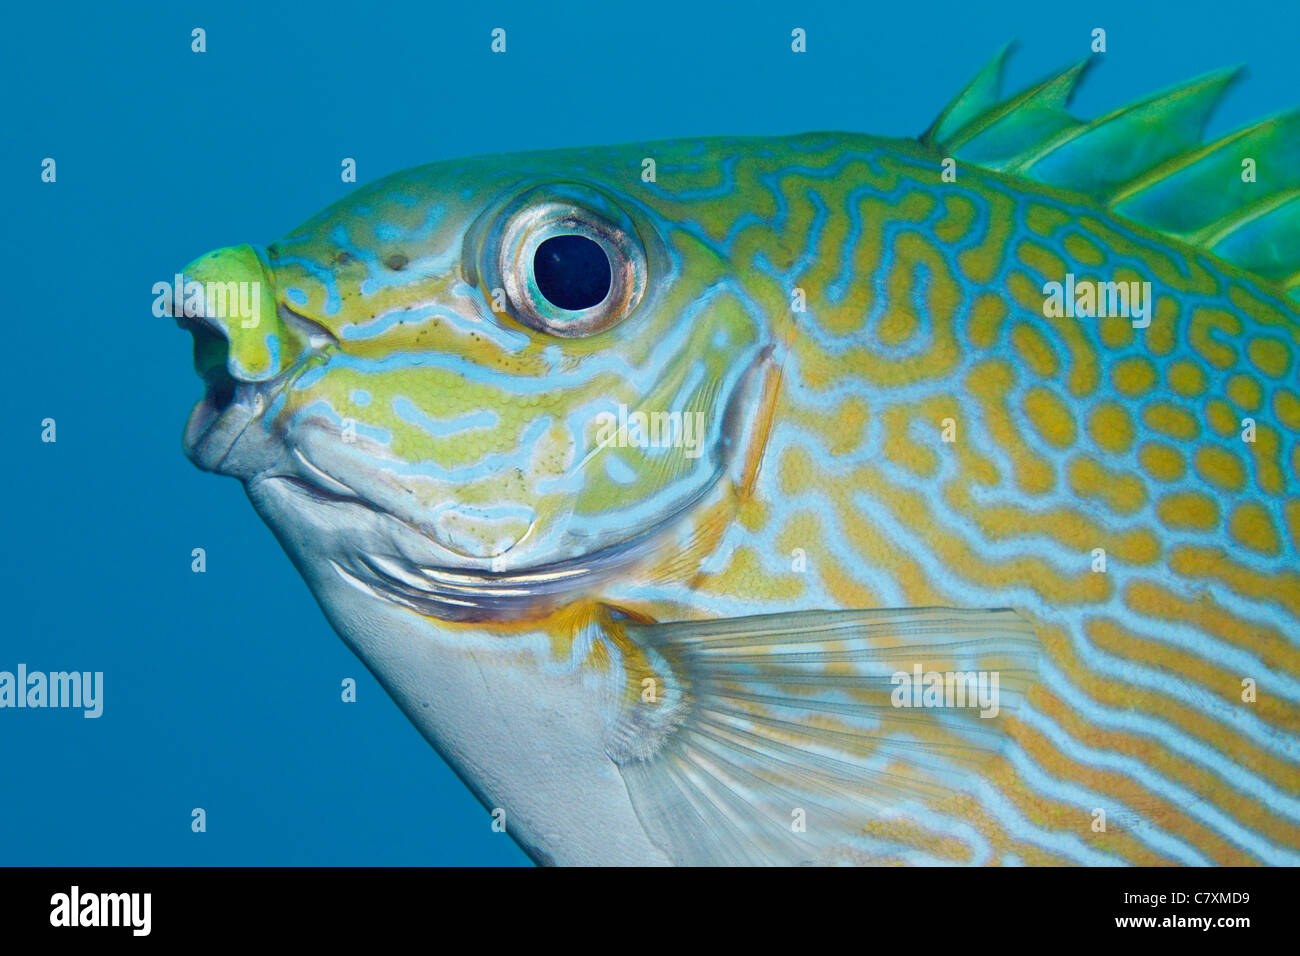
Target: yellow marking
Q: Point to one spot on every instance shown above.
(977, 468)
(1265, 312)
(783, 253)
(1269, 355)
(846, 315)
(1046, 220)
(916, 206)
(1220, 468)
(1280, 587)
(1026, 292)
(1163, 267)
(900, 321)
(1161, 336)
(982, 263)
(1050, 417)
(901, 449)
(1120, 695)
(1084, 250)
(745, 573)
(1214, 350)
(1128, 277)
(1035, 349)
(1084, 375)
(989, 382)
(1217, 691)
(1267, 454)
(819, 371)
(1171, 420)
(957, 221)
(1112, 428)
(986, 317)
(803, 530)
(1286, 406)
(1272, 647)
(1117, 332)
(913, 836)
(1292, 511)
(1042, 260)
(1251, 526)
(793, 471)
(1186, 378)
(676, 562)
(958, 557)
(1162, 462)
(1122, 492)
(1127, 792)
(1245, 392)
(1188, 509)
(1000, 842)
(1133, 376)
(1222, 418)
(1068, 526)
(868, 251)
(752, 514)
(842, 431)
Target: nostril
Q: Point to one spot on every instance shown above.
(211, 350)
(211, 353)
(221, 394)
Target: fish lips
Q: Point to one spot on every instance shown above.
(226, 408)
(214, 425)
(229, 404)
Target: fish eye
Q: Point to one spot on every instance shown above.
(572, 272)
(568, 269)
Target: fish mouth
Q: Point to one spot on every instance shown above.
(228, 405)
(218, 384)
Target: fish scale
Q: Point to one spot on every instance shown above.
(813, 478)
(707, 645)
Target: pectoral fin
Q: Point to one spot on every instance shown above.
(775, 738)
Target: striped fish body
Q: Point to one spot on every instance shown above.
(652, 574)
(938, 440)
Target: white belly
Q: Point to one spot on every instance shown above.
(529, 742)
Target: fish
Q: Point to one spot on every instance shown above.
(808, 499)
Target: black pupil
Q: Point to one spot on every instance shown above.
(572, 272)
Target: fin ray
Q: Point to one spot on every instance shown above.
(774, 715)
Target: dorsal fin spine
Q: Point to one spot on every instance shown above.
(1053, 92)
(1221, 229)
(978, 96)
(1145, 162)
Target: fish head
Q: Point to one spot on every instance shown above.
(477, 387)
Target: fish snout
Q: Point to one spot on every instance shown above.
(227, 301)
